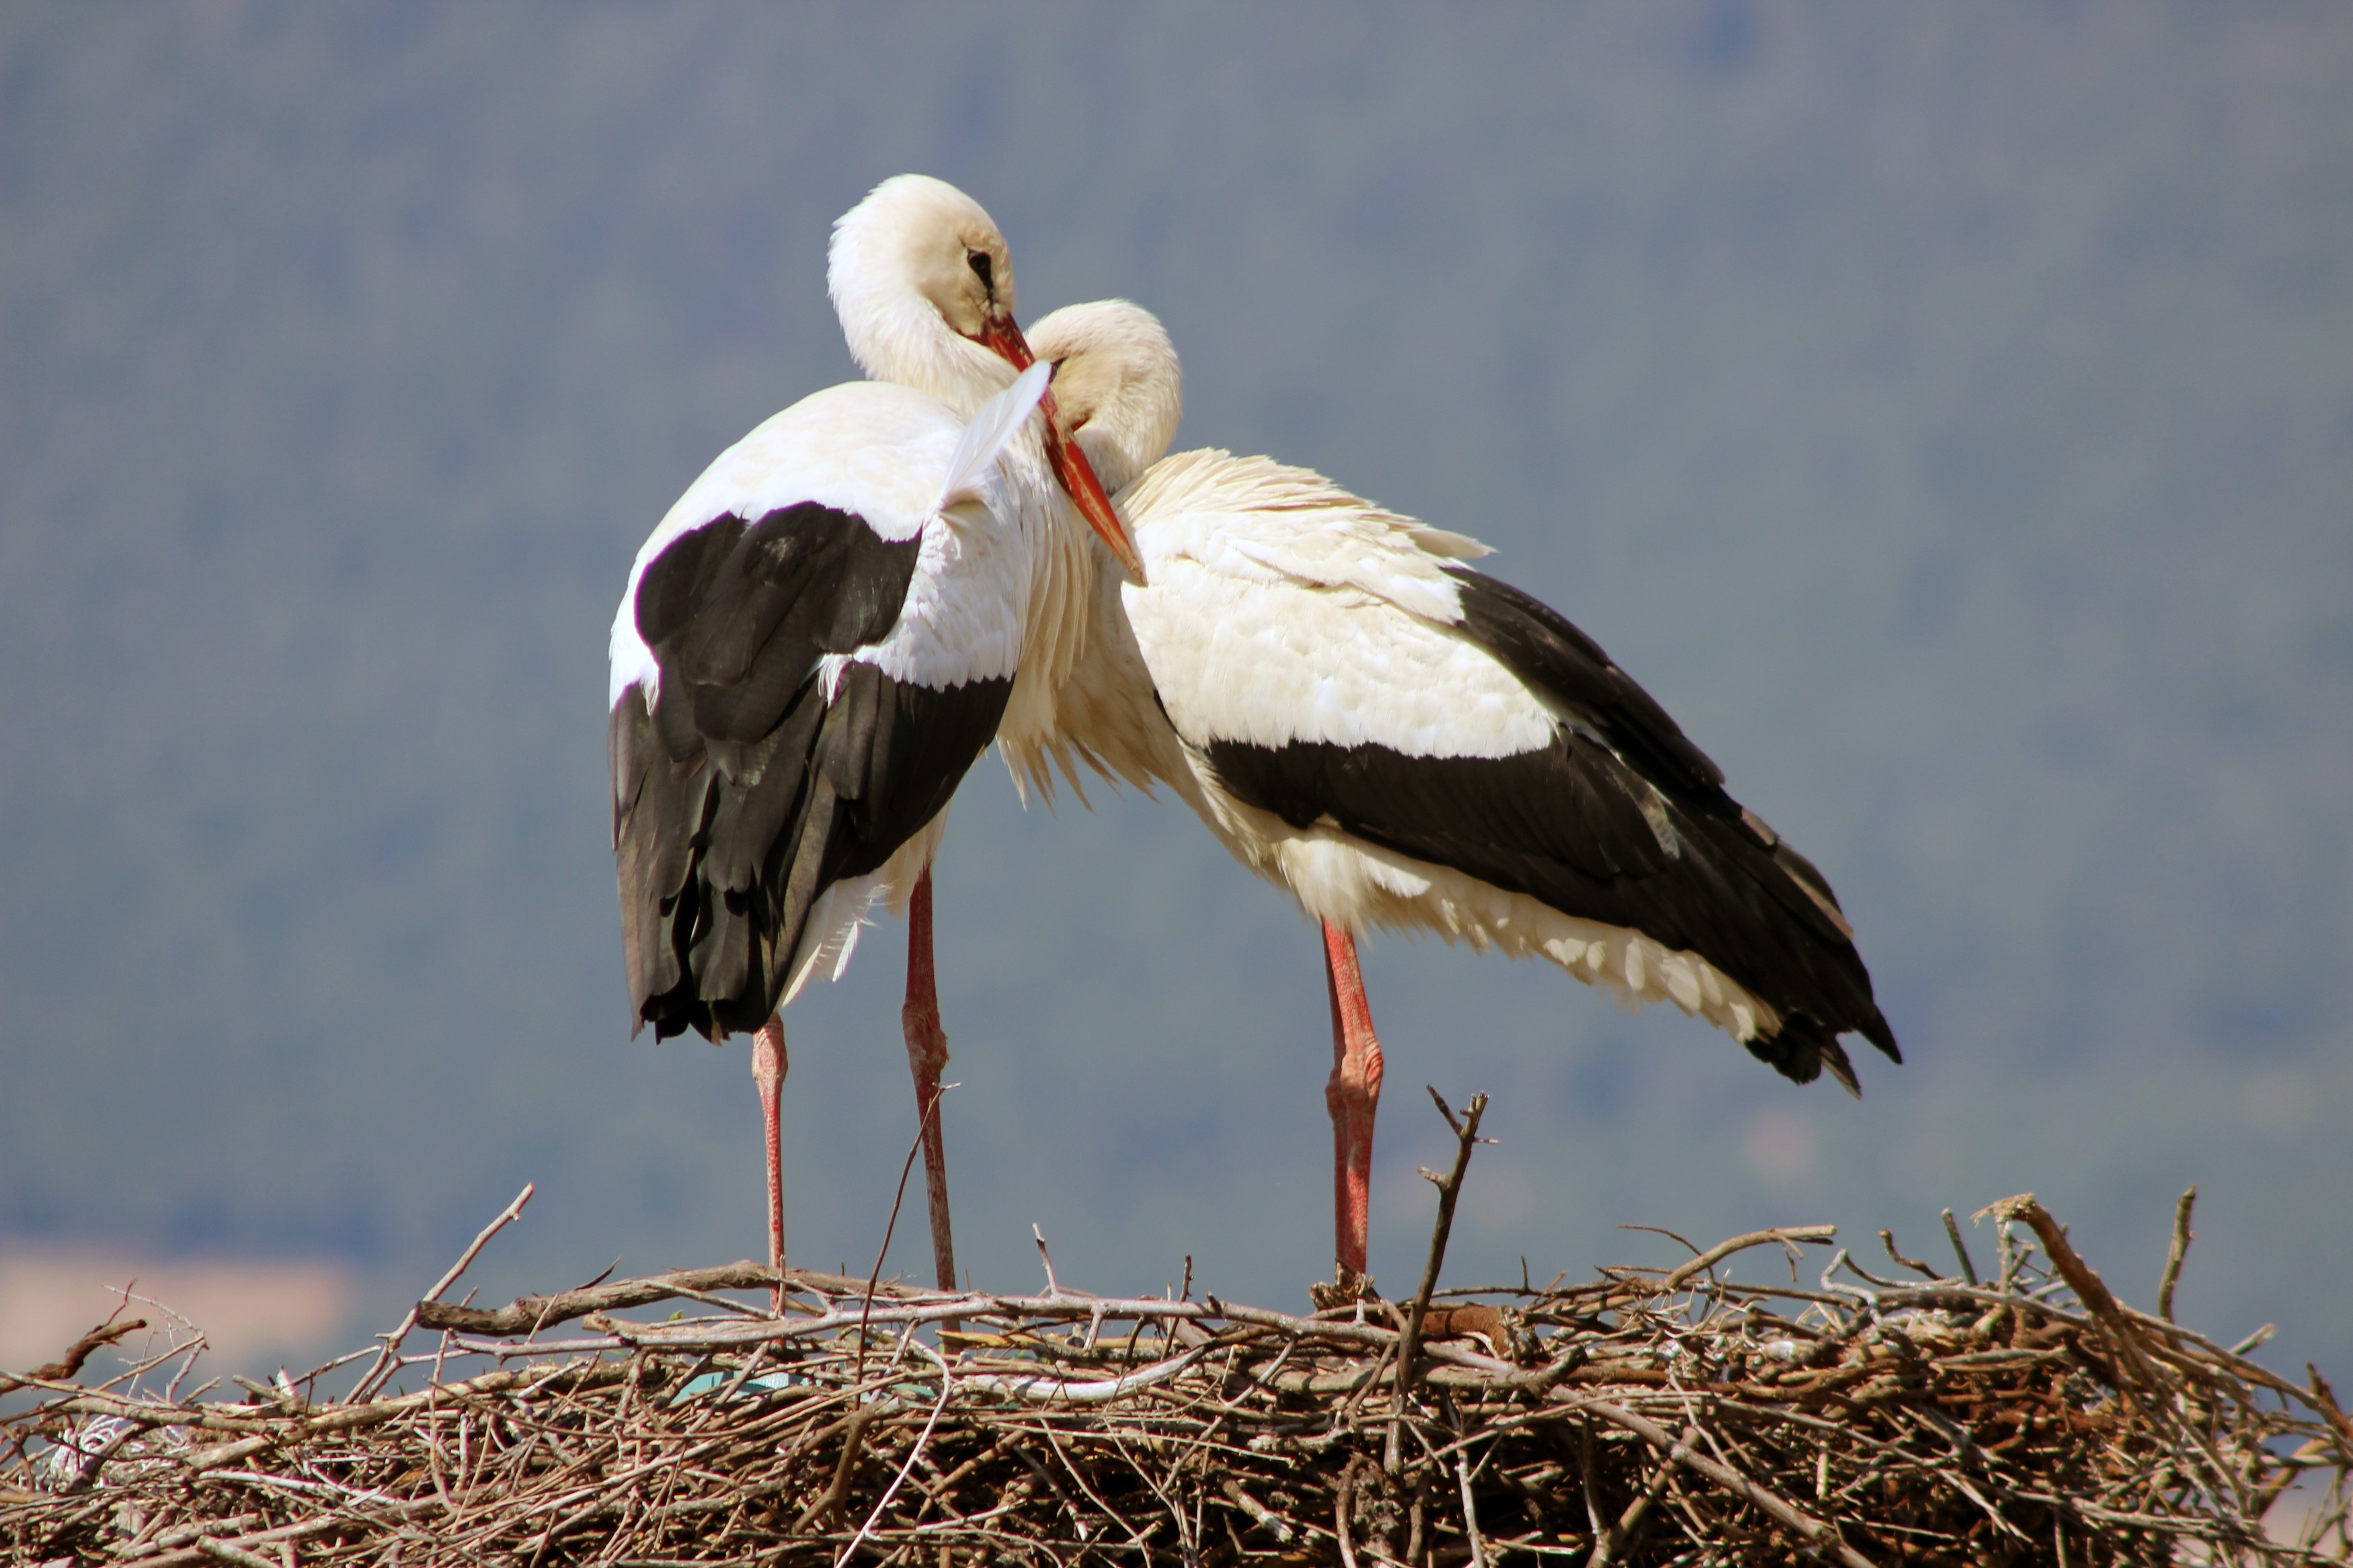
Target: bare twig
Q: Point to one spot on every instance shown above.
(1469, 1511)
(388, 1361)
(526, 1314)
(1260, 1515)
(2176, 1253)
(1450, 1188)
(1619, 1538)
(1053, 1286)
(922, 1125)
(65, 1368)
(914, 1454)
(2087, 1285)
(1887, 1240)
(222, 1551)
(1961, 1251)
(1344, 1502)
(1788, 1236)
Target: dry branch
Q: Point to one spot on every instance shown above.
(1450, 1188)
(67, 1367)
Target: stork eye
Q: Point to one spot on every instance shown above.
(983, 267)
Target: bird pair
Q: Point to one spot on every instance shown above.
(838, 616)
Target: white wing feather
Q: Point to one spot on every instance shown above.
(1233, 514)
(1283, 609)
(990, 431)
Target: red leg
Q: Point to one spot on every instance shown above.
(768, 1069)
(1351, 1095)
(927, 1055)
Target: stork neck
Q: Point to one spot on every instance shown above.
(896, 335)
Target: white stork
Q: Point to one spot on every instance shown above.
(1403, 742)
(823, 633)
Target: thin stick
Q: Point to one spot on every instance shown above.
(222, 1551)
(2182, 1236)
(853, 1437)
(1887, 1240)
(1620, 1536)
(2087, 1285)
(1053, 1286)
(526, 1314)
(1450, 1188)
(386, 1361)
(1469, 1510)
(1953, 1233)
(1592, 1488)
(67, 1367)
(914, 1455)
(1260, 1514)
(892, 1223)
(1786, 1234)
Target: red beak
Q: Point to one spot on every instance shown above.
(1001, 336)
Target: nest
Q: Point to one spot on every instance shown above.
(1648, 1417)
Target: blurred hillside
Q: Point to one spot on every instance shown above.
(1948, 414)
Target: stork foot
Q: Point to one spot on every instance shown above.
(1344, 1289)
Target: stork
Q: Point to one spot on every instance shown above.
(823, 633)
(1403, 742)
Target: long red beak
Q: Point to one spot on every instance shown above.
(1001, 336)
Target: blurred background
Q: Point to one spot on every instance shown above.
(1947, 414)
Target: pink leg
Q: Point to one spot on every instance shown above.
(768, 1067)
(927, 1054)
(1351, 1095)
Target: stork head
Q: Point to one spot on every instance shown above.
(923, 284)
(1118, 387)
(923, 281)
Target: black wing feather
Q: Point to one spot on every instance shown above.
(1545, 648)
(1621, 819)
(747, 789)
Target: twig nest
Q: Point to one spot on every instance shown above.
(1647, 1417)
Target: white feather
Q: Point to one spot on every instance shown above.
(987, 433)
(1258, 520)
(830, 936)
(1340, 610)
(845, 909)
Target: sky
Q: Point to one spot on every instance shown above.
(1947, 414)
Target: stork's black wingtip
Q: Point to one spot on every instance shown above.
(1877, 1031)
